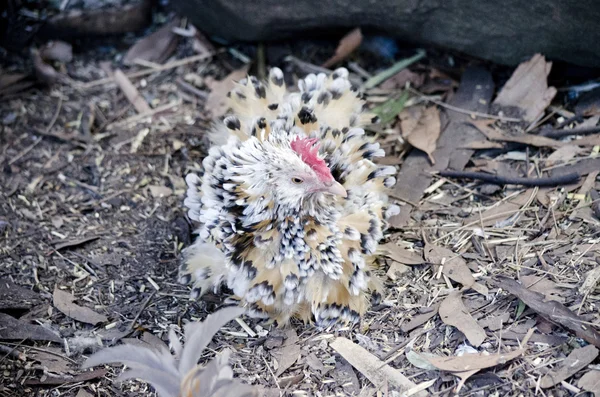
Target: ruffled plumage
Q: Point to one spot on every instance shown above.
(284, 249)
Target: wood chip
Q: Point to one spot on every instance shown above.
(528, 88)
(63, 301)
(453, 312)
(378, 372)
(590, 382)
(454, 266)
(131, 93)
(287, 354)
(419, 319)
(575, 362)
(217, 102)
(348, 44)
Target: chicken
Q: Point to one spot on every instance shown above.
(180, 376)
(290, 203)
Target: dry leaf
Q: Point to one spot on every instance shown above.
(395, 269)
(63, 301)
(400, 79)
(528, 88)
(590, 282)
(419, 319)
(453, 312)
(470, 362)
(156, 47)
(401, 255)
(348, 44)
(14, 329)
(528, 139)
(378, 372)
(590, 382)
(551, 310)
(575, 362)
(287, 354)
(421, 128)
(563, 154)
(454, 266)
(217, 102)
(543, 285)
(51, 359)
(44, 72)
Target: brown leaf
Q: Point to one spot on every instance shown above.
(400, 79)
(454, 266)
(63, 301)
(288, 354)
(543, 285)
(563, 154)
(75, 243)
(377, 371)
(590, 382)
(453, 312)
(347, 45)
(528, 88)
(51, 358)
(528, 139)
(551, 310)
(15, 297)
(421, 127)
(470, 362)
(85, 376)
(217, 102)
(44, 72)
(575, 362)
(419, 319)
(156, 47)
(57, 51)
(401, 255)
(201, 45)
(14, 329)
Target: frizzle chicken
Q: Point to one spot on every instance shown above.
(291, 205)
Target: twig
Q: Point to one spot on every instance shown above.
(25, 151)
(464, 111)
(569, 132)
(145, 72)
(507, 180)
(139, 313)
(137, 117)
(191, 89)
(131, 93)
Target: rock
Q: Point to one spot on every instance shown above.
(506, 32)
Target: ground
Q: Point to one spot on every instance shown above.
(91, 204)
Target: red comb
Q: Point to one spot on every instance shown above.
(307, 149)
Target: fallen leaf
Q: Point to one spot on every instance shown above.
(395, 269)
(420, 360)
(401, 255)
(582, 167)
(44, 72)
(287, 354)
(159, 191)
(484, 126)
(494, 323)
(52, 358)
(575, 362)
(454, 266)
(347, 45)
(419, 319)
(75, 242)
(400, 79)
(217, 102)
(14, 329)
(551, 310)
(453, 312)
(13, 296)
(345, 376)
(589, 284)
(83, 393)
(590, 382)
(563, 154)
(57, 51)
(470, 362)
(201, 45)
(377, 371)
(390, 109)
(543, 285)
(156, 47)
(63, 301)
(421, 127)
(528, 88)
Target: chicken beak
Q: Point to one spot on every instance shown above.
(336, 189)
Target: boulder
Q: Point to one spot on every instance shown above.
(505, 32)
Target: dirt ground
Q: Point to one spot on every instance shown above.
(91, 203)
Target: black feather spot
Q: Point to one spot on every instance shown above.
(260, 91)
(372, 175)
(306, 116)
(323, 98)
(375, 120)
(240, 95)
(306, 96)
(335, 133)
(233, 123)
(278, 81)
(335, 94)
(273, 106)
(345, 130)
(262, 123)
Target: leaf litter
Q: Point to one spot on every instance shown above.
(541, 236)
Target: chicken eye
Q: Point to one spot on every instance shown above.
(297, 180)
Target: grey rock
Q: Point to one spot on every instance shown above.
(506, 32)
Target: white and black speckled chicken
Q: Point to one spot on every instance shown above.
(291, 206)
